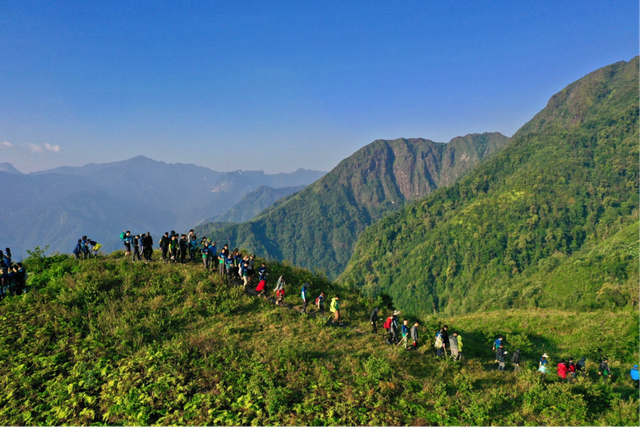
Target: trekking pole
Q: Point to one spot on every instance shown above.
(404, 339)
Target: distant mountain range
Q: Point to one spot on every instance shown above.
(256, 201)
(318, 227)
(55, 207)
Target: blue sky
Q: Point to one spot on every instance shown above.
(281, 85)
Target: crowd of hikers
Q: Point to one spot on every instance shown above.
(13, 276)
(234, 265)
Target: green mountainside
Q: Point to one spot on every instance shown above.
(318, 227)
(550, 221)
(105, 341)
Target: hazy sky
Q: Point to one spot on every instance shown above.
(281, 85)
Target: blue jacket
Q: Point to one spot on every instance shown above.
(213, 251)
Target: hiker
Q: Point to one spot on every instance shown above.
(496, 345)
(7, 258)
(173, 247)
(86, 253)
(459, 337)
(500, 353)
(77, 251)
(635, 377)
(445, 338)
(571, 368)
(414, 336)
(453, 345)
(164, 245)
(205, 255)
(305, 296)
(21, 278)
(515, 359)
(250, 270)
(603, 370)
(222, 257)
(335, 309)
(562, 370)
(581, 366)
(320, 304)
(147, 247)
(95, 247)
(183, 246)
(373, 318)
(126, 239)
(192, 241)
(228, 264)
(279, 289)
(135, 246)
(404, 330)
(237, 260)
(244, 273)
(393, 327)
(439, 344)
(542, 366)
(262, 275)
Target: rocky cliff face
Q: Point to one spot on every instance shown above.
(318, 227)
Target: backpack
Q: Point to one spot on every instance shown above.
(319, 300)
(122, 235)
(438, 343)
(387, 323)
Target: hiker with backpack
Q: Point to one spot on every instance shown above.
(500, 354)
(304, 294)
(496, 345)
(125, 236)
(542, 366)
(205, 254)
(135, 247)
(173, 248)
(279, 289)
(453, 346)
(562, 370)
(373, 318)
(86, 252)
(414, 336)
(222, 258)
(192, 241)
(459, 339)
(262, 276)
(95, 247)
(404, 330)
(515, 359)
(335, 309)
(164, 245)
(77, 251)
(393, 327)
(244, 273)
(439, 343)
(213, 255)
(604, 371)
(228, 265)
(320, 304)
(147, 247)
(183, 247)
(571, 368)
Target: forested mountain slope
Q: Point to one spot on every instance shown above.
(513, 231)
(318, 227)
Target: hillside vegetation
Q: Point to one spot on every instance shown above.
(549, 221)
(110, 342)
(317, 228)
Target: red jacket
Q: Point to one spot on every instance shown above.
(562, 370)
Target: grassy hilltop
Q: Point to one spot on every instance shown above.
(110, 342)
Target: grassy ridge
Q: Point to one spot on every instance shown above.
(110, 342)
